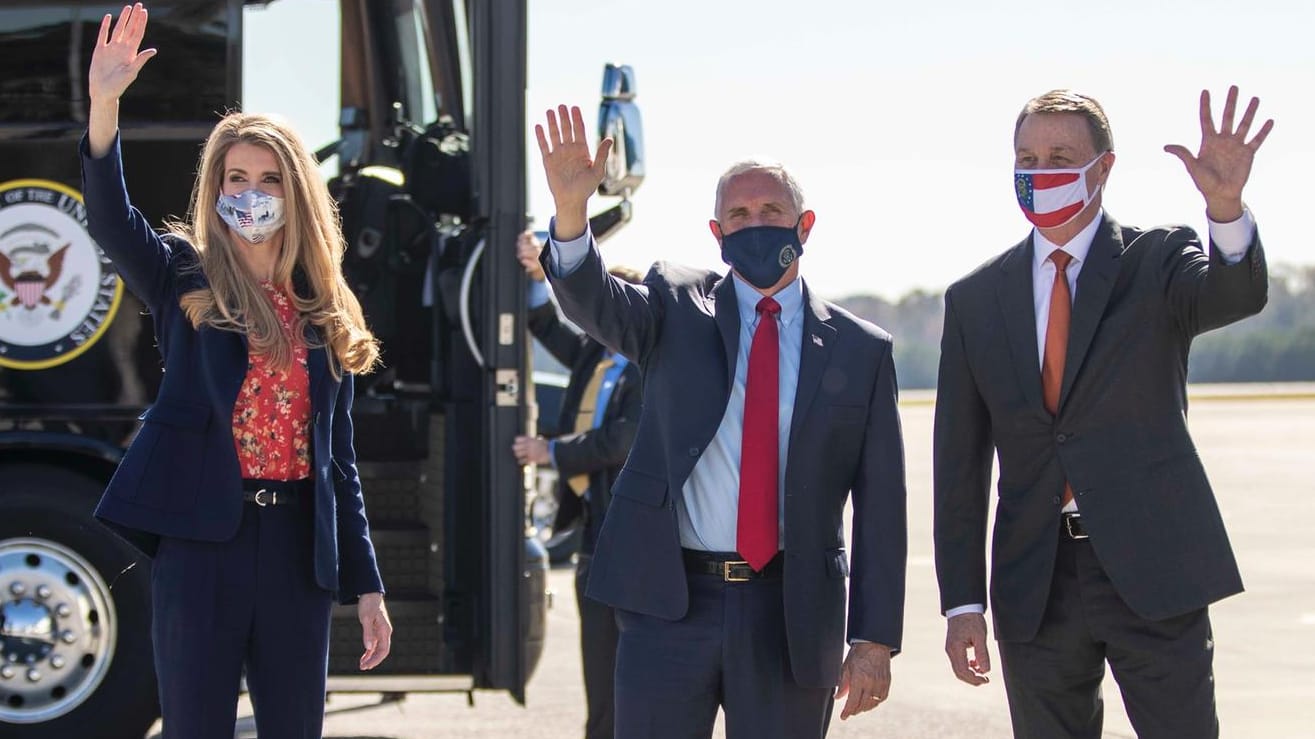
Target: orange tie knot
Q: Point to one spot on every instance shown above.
(1061, 259)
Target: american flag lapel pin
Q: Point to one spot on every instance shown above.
(817, 339)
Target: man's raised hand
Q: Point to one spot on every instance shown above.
(573, 175)
(1223, 164)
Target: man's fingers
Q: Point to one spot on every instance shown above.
(1207, 117)
(577, 124)
(958, 661)
(843, 687)
(1260, 137)
(104, 37)
(1230, 107)
(852, 706)
(564, 125)
(543, 140)
(554, 131)
(1182, 153)
(981, 658)
(958, 654)
(1244, 125)
(600, 159)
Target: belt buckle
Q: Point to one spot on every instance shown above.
(1068, 527)
(273, 498)
(726, 575)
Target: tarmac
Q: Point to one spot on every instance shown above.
(1258, 448)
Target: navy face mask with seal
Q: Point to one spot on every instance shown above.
(762, 254)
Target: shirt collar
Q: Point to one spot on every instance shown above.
(618, 360)
(1077, 247)
(790, 298)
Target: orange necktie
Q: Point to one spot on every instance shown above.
(1052, 367)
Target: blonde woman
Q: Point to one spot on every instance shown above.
(242, 482)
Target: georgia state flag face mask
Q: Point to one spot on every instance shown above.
(1052, 197)
(254, 215)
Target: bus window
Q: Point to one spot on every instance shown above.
(45, 49)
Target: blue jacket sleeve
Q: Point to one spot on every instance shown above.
(358, 571)
(141, 257)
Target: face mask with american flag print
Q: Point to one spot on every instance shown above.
(253, 214)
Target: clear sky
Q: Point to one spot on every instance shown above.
(896, 117)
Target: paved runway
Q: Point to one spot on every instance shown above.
(1259, 453)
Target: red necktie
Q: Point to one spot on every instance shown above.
(756, 530)
(1052, 367)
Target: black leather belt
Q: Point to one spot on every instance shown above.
(276, 492)
(728, 566)
(1071, 526)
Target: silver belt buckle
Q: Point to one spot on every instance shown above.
(1068, 526)
(273, 497)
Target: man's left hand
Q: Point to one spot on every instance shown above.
(531, 450)
(1223, 164)
(865, 678)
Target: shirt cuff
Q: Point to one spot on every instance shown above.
(1232, 239)
(970, 608)
(566, 256)
(538, 294)
(552, 453)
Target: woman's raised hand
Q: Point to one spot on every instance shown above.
(116, 60)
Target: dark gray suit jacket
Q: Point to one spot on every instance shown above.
(1120, 437)
(682, 327)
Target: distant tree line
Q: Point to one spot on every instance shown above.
(1276, 346)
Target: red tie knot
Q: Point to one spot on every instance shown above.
(769, 306)
(1061, 259)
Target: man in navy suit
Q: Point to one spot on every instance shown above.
(764, 409)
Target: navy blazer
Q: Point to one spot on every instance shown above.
(180, 476)
(682, 326)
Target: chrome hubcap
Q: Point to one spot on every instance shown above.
(57, 630)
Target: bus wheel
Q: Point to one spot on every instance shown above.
(75, 649)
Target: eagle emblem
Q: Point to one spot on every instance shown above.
(30, 271)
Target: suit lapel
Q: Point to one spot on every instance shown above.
(815, 351)
(1014, 293)
(1095, 283)
(726, 310)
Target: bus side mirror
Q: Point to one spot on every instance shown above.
(618, 118)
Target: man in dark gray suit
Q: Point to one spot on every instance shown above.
(1066, 356)
(764, 409)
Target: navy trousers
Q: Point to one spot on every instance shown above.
(248, 602)
(1163, 668)
(729, 651)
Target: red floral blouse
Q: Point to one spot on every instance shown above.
(271, 419)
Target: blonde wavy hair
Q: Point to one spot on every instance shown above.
(312, 244)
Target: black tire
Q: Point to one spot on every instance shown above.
(53, 506)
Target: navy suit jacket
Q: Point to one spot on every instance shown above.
(180, 476)
(682, 327)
